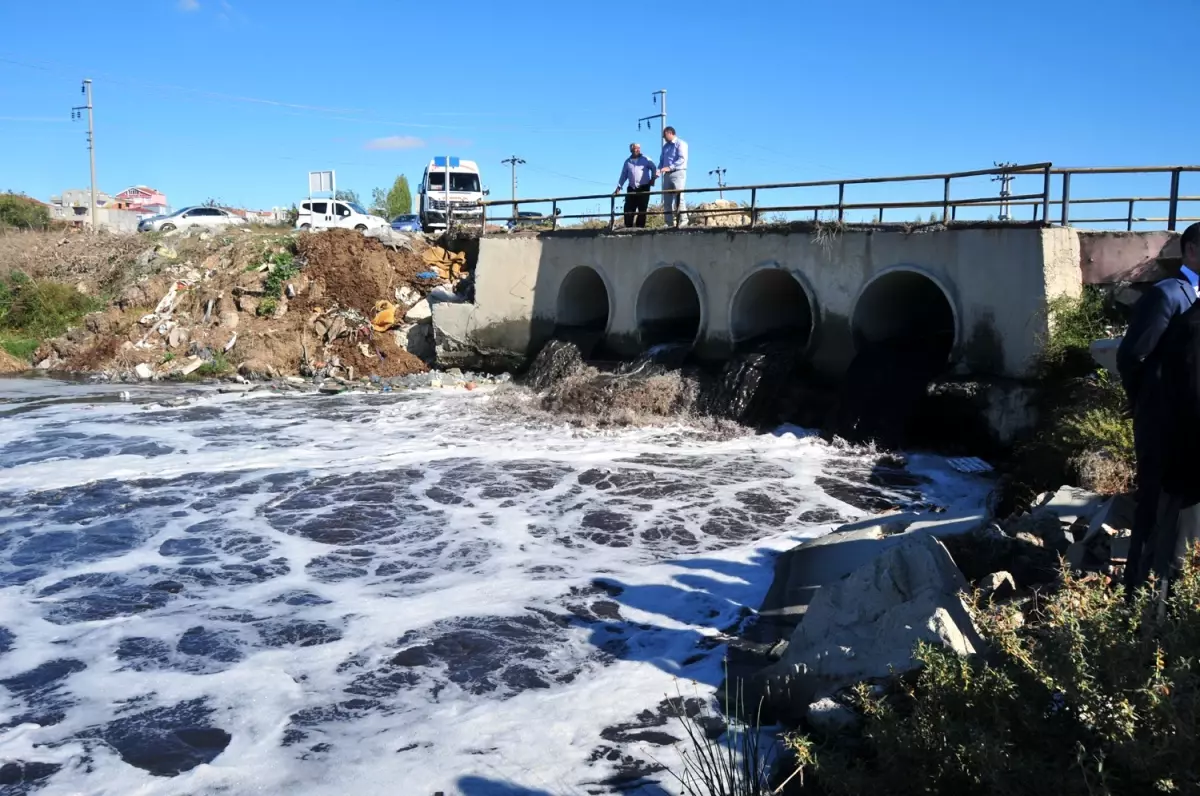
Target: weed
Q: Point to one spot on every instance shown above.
(167, 357)
(1085, 694)
(285, 269)
(267, 307)
(31, 311)
(217, 366)
(735, 764)
(825, 233)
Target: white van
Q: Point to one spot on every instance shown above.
(329, 213)
(464, 194)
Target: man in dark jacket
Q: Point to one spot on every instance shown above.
(1139, 360)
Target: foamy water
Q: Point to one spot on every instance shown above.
(392, 594)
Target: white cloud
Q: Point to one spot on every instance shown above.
(189, 5)
(395, 142)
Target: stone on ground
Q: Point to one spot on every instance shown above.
(830, 717)
(998, 585)
(866, 626)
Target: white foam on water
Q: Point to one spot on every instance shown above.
(388, 594)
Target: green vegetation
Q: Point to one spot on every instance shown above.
(168, 357)
(217, 366)
(284, 269)
(19, 211)
(396, 202)
(347, 196)
(32, 311)
(738, 763)
(1084, 434)
(267, 307)
(1084, 695)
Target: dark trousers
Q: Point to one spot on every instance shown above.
(1147, 448)
(636, 202)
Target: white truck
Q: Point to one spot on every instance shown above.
(450, 183)
(329, 213)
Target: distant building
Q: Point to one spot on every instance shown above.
(74, 207)
(142, 200)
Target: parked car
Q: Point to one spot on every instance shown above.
(190, 217)
(327, 214)
(528, 218)
(408, 223)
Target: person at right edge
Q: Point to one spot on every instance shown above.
(1139, 362)
(672, 167)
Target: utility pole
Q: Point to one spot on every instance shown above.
(76, 113)
(661, 115)
(514, 161)
(1004, 178)
(720, 172)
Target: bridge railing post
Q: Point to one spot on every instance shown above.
(1173, 212)
(946, 200)
(841, 202)
(753, 206)
(1129, 219)
(1046, 197)
(1066, 198)
(612, 213)
(554, 215)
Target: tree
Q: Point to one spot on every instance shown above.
(347, 196)
(18, 210)
(379, 205)
(399, 199)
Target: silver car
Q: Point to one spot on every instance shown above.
(189, 217)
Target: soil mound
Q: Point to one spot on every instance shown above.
(355, 271)
(382, 357)
(10, 364)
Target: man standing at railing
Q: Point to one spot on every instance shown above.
(672, 165)
(1139, 361)
(639, 172)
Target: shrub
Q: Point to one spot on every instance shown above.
(31, 311)
(217, 366)
(22, 212)
(1086, 695)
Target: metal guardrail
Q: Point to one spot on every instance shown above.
(755, 210)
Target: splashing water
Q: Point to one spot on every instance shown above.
(406, 593)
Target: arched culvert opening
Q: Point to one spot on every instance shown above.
(907, 312)
(668, 308)
(771, 305)
(583, 301)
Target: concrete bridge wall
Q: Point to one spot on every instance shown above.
(987, 286)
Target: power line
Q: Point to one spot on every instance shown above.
(514, 161)
(720, 172)
(661, 115)
(1004, 178)
(77, 113)
(566, 176)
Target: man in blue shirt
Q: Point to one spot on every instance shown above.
(639, 172)
(672, 166)
(1139, 361)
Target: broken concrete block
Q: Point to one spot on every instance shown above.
(1071, 504)
(229, 320)
(144, 371)
(866, 626)
(998, 585)
(419, 311)
(1076, 555)
(191, 366)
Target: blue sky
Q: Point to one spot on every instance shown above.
(238, 99)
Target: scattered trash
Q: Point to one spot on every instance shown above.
(969, 464)
(165, 251)
(427, 275)
(191, 366)
(385, 316)
(419, 311)
(144, 371)
(448, 265)
(124, 395)
(470, 385)
(232, 341)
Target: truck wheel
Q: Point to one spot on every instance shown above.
(306, 226)
(361, 227)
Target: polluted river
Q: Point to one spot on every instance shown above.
(424, 591)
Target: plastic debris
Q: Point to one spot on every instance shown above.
(232, 341)
(385, 316)
(969, 464)
(427, 275)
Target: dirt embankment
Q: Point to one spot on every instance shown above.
(266, 302)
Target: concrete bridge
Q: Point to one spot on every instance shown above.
(981, 288)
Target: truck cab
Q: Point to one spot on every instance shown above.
(450, 183)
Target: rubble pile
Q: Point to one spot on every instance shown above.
(336, 304)
(850, 607)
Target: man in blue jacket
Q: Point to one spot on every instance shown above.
(1139, 363)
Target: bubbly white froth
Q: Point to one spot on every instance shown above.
(376, 594)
